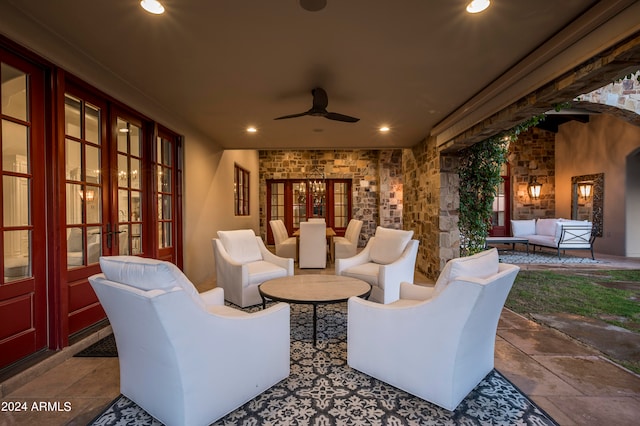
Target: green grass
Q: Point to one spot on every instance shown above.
(582, 293)
(547, 292)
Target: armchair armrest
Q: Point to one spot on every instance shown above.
(283, 262)
(391, 275)
(415, 292)
(215, 296)
(358, 259)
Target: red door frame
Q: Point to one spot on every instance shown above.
(23, 302)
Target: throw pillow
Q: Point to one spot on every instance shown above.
(389, 244)
(522, 228)
(546, 226)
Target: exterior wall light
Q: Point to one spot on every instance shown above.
(534, 188)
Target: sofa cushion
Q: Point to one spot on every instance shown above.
(147, 274)
(241, 245)
(522, 228)
(546, 226)
(480, 265)
(389, 244)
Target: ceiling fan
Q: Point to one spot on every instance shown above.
(319, 109)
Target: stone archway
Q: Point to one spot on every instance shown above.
(431, 181)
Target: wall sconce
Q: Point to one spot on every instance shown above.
(584, 189)
(534, 188)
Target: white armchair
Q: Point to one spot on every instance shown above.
(184, 357)
(437, 344)
(347, 246)
(285, 245)
(388, 259)
(313, 245)
(242, 263)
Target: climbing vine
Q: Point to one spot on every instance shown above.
(479, 172)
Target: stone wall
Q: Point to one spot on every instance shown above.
(391, 188)
(431, 205)
(380, 169)
(533, 155)
(432, 201)
(623, 94)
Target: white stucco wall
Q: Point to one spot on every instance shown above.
(209, 203)
(601, 146)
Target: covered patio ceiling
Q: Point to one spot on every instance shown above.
(422, 68)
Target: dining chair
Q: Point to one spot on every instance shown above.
(347, 246)
(313, 245)
(286, 246)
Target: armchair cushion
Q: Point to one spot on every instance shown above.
(389, 244)
(262, 271)
(241, 245)
(366, 272)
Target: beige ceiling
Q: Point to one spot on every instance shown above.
(223, 65)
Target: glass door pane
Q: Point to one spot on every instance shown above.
(340, 205)
(129, 152)
(299, 204)
(16, 176)
(164, 170)
(83, 181)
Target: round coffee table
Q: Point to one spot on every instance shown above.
(313, 290)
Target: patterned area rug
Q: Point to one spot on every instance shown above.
(548, 257)
(323, 390)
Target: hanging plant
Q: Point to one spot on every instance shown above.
(479, 171)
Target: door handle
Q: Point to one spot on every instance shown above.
(110, 234)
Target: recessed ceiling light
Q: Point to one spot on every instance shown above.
(152, 6)
(477, 6)
(252, 129)
(384, 129)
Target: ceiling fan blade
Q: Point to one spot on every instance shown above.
(292, 116)
(320, 99)
(341, 117)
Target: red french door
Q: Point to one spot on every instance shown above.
(296, 200)
(23, 289)
(105, 183)
(88, 233)
(501, 210)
